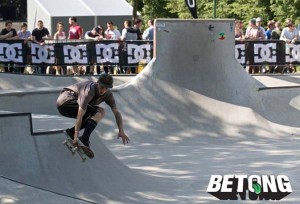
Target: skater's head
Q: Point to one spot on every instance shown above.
(105, 81)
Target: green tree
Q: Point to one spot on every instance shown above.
(284, 9)
(19, 7)
(137, 6)
(157, 9)
(237, 9)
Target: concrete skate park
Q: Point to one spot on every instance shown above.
(191, 113)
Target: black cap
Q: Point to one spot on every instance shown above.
(106, 80)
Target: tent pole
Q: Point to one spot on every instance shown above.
(95, 21)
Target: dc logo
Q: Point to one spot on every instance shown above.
(75, 54)
(42, 54)
(107, 53)
(265, 53)
(292, 53)
(137, 53)
(11, 52)
(240, 53)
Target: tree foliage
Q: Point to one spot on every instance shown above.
(17, 7)
(237, 9)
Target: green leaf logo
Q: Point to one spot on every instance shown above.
(222, 36)
(257, 188)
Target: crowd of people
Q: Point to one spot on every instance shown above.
(256, 31)
(40, 34)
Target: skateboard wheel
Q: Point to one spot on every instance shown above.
(65, 142)
(83, 159)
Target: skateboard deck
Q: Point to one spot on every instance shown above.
(75, 149)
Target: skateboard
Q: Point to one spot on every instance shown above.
(75, 149)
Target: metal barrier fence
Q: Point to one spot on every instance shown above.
(131, 53)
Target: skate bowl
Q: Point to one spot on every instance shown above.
(191, 113)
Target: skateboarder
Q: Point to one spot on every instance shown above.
(80, 101)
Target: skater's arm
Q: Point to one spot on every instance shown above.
(119, 122)
(119, 119)
(78, 122)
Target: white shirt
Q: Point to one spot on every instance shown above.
(148, 34)
(288, 35)
(112, 34)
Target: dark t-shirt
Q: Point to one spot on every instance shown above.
(90, 34)
(4, 31)
(39, 34)
(88, 93)
(139, 33)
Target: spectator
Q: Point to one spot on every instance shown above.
(271, 27)
(8, 33)
(96, 35)
(148, 33)
(277, 31)
(137, 26)
(128, 33)
(254, 33)
(12, 33)
(239, 33)
(259, 24)
(270, 36)
(111, 33)
(59, 35)
(25, 35)
(75, 31)
(290, 35)
(39, 35)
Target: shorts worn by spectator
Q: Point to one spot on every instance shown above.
(81, 101)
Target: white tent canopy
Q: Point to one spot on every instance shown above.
(86, 7)
(88, 12)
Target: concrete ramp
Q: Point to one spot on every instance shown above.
(44, 163)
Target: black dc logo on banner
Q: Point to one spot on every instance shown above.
(42, 54)
(265, 53)
(11, 52)
(137, 53)
(240, 53)
(107, 53)
(75, 54)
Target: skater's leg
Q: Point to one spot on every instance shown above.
(91, 124)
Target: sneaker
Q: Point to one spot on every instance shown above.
(87, 144)
(86, 148)
(68, 133)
